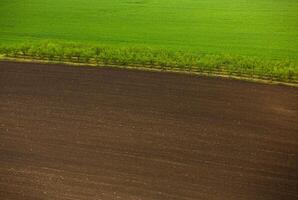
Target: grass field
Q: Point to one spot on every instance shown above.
(258, 29)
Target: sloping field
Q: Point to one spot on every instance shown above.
(255, 39)
(267, 28)
(83, 133)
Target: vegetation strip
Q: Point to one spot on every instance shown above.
(159, 59)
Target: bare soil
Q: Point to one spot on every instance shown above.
(85, 133)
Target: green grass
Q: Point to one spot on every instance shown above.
(262, 31)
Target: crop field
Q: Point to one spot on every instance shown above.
(255, 37)
(87, 133)
(148, 99)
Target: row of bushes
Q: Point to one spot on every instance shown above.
(149, 57)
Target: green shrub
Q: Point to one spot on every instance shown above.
(182, 60)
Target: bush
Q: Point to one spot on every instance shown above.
(183, 60)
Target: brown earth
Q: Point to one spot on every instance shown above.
(83, 133)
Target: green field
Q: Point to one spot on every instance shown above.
(259, 29)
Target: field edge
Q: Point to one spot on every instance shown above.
(159, 59)
(152, 69)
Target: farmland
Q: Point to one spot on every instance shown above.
(70, 133)
(255, 32)
(145, 99)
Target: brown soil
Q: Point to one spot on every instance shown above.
(83, 133)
